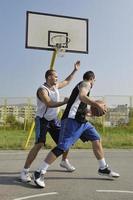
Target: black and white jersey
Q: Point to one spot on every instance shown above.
(76, 109)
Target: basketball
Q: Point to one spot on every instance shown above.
(97, 112)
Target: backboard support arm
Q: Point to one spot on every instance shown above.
(53, 59)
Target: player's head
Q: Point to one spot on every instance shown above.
(51, 76)
(89, 76)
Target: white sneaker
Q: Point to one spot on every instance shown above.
(39, 179)
(108, 172)
(25, 176)
(65, 164)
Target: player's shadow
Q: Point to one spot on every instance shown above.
(76, 178)
(80, 178)
(13, 178)
(88, 178)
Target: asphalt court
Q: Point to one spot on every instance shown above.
(82, 184)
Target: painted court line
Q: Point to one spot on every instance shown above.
(36, 195)
(116, 191)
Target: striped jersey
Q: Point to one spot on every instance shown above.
(76, 109)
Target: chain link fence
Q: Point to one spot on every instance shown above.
(17, 111)
(17, 119)
(21, 111)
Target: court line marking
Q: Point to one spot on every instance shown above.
(116, 191)
(36, 195)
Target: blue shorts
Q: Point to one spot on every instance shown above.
(43, 126)
(72, 130)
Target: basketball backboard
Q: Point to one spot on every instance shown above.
(42, 30)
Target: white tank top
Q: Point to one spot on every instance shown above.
(42, 109)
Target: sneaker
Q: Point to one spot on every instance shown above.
(39, 179)
(25, 176)
(65, 164)
(108, 172)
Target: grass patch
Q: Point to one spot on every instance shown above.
(121, 137)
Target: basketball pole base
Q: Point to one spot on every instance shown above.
(33, 123)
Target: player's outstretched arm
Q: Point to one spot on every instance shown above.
(70, 77)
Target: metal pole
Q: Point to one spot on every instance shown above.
(53, 59)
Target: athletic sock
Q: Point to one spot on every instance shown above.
(102, 163)
(26, 170)
(43, 167)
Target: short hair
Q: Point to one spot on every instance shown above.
(49, 72)
(88, 75)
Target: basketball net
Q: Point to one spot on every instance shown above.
(60, 42)
(60, 51)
